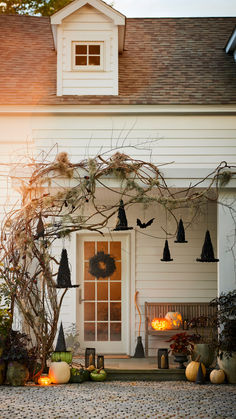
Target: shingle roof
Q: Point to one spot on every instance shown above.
(166, 61)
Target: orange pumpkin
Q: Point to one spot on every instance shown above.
(217, 376)
(192, 370)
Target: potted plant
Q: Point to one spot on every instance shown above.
(205, 331)
(226, 344)
(16, 355)
(181, 346)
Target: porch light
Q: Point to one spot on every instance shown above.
(90, 357)
(162, 358)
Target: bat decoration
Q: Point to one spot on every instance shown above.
(144, 225)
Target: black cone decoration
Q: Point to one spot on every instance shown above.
(180, 238)
(200, 379)
(139, 351)
(40, 228)
(63, 276)
(122, 223)
(207, 254)
(61, 343)
(166, 253)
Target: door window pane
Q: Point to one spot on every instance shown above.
(89, 311)
(89, 291)
(102, 331)
(102, 311)
(81, 49)
(102, 247)
(115, 331)
(89, 250)
(94, 60)
(115, 290)
(87, 275)
(89, 331)
(115, 311)
(102, 290)
(115, 250)
(116, 276)
(94, 49)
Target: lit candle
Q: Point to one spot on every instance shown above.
(44, 380)
(90, 359)
(163, 361)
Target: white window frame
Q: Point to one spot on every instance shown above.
(88, 67)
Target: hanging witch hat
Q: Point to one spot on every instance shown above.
(200, 379)
(180, 238)
(207, 254)
(63, 276)
(61, 343)
(139, 351)
(40, 228)
(122, 223)
(166, 253)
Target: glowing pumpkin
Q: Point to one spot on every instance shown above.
(161, 324)
(175, 318)
(192, 370)
(44, 380)
(217, 376)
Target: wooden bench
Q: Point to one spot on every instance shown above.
(188, 311)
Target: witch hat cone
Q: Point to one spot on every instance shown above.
(207, 254)
(122, 223)
(64, 276)
(180, 238)
(61, 343)
(166, 253)
(200, 379)
(40, 228)
(139, 350)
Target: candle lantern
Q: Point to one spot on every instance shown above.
(162, 359)
(100, 361)
(44, 380)
(89, 357)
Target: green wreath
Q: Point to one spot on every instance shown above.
(95, 268)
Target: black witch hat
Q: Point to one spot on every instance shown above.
(63, 276)
(61, 343)
(180, 238)
(200, 379)
(207, 254)
(122, 223)
(166, 253)
(40, 228)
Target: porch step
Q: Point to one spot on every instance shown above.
(145, 375)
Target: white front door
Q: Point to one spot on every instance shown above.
(102, 303)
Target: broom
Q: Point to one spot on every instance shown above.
(139, 351)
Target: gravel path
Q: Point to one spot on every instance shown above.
(119, 400)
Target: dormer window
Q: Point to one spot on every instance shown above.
(87, 56)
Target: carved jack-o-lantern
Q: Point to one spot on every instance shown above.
(175, 318)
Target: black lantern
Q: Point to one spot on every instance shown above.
(162, 358)
(100, 361)
(89, 357)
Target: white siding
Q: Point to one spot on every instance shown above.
(88, 24)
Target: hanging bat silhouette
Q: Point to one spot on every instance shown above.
(144, 225)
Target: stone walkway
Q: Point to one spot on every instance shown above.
(119, 400)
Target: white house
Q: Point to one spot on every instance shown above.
(88, 80)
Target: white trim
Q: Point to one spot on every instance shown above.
(119, 109)
(59, 62)
(117, 17)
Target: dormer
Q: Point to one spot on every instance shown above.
(88, 36)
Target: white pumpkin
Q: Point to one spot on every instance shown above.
(59, 372)
(175, 318)
(217, 376)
